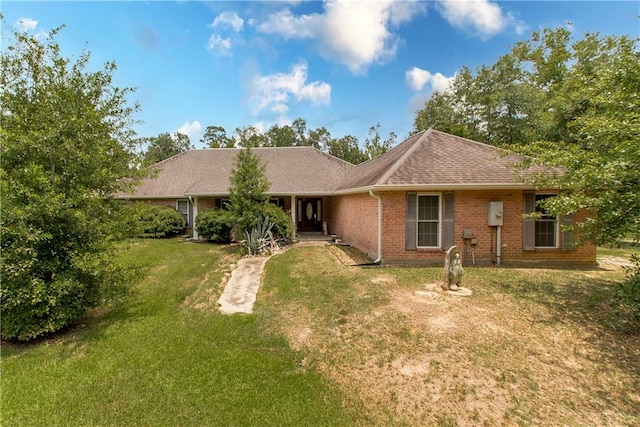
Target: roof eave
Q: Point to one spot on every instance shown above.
(436, 187)
(270, 194)
(148, 196)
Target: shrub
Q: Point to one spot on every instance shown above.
(58, 223)
(215, 225)
(628, 293)
(283, 227)
(53, 273)
(160, 221)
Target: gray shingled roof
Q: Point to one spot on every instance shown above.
(429, 159)
(432, 158)
(291, 170)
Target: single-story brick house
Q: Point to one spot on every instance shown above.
(406, 206)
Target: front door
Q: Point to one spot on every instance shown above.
(309, 215)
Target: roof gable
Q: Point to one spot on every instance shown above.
(433, 158)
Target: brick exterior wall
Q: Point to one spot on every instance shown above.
(354, 219)
(206, 203)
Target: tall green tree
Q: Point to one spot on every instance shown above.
(216, 137)
(319, 138)
(299, 127)
(249, 186)
(374, 145)
(573, 104)
(347, 148)
(66, 147)
(280, 136)
(164, 146)
(453, 111)
(596, 112)
(249, 137)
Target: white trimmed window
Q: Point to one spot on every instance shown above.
(546, 225)
(428, 218)
(183, 207)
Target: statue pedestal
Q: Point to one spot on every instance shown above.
(461, 292)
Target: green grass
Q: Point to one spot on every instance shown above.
(157, 360)
(334, 344)
(624, 249)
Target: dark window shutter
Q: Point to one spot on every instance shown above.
(529, 224)
(448, 221)
(568, 243)
(410, 233)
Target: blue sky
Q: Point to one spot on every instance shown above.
(344, 65)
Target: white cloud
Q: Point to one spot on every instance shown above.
(440, 82)
(274, 92)
(26, 24)
(481, 17)
(228, 20)
(417, 78)
(353, 33)
(192, 129)
(285, 24)
(219, 45)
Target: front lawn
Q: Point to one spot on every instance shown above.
(166, 357)
(331, 343)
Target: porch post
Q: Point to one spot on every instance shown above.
(294, 209)
(195, 214)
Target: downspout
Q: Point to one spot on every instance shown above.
(498, 244)
(294, 209)
(379, 259)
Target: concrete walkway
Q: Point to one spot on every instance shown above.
(240, 292)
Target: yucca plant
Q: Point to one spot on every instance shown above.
(260, 239)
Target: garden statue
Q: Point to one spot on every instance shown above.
(453, 271)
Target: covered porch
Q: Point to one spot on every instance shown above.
(310, 213)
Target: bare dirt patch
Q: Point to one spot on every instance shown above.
(205, 297)
(348, 256)
(613, 262)
(519, 351)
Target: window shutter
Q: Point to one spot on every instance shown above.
(529, 224)
(448, 222)
(410, 233)
(568, 243)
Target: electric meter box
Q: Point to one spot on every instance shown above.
(495, 213)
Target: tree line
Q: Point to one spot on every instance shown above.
(296, 134)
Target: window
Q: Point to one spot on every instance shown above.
(546, 225)
(428, 220)
(183, 207)
(223, 203)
